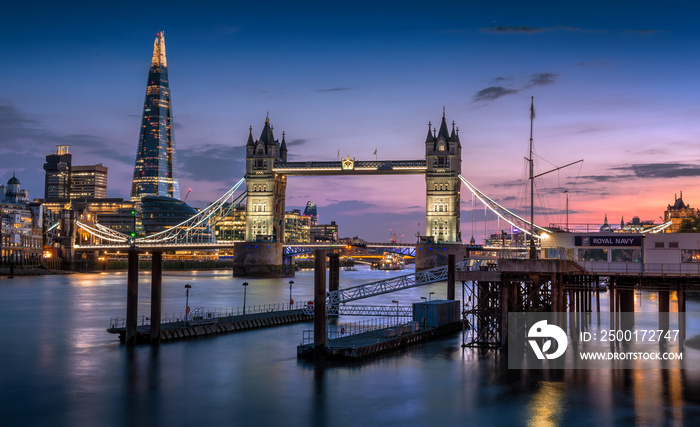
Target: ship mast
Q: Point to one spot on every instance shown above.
(533, 254)
(532, 251)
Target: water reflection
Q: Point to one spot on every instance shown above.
(60, 367)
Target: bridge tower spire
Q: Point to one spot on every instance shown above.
(266, 189)
(443, 156)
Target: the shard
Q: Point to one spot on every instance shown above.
(155, 171)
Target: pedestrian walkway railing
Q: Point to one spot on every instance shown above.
(363, 332)
(202, 316)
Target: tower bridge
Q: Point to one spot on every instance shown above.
(267, 169)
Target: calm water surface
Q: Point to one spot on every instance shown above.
(58, 367)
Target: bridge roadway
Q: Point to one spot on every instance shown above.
(229, 244)
(352, 167)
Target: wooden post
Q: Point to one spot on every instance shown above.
(320, 335)
(451, 277)
(334, 278)
(132, 297)
(156, 294)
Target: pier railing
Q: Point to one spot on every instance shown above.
(203, 316)
(356, 333)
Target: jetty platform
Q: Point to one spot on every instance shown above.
(210, 325)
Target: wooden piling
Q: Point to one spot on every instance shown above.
(451, 277)
(156, 294)
(320, 335)
(132, 297)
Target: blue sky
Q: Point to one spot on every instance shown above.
(614, 84)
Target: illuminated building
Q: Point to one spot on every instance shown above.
(64, 181)
(296, 227)
(114, 213)
(324, 232)
(155, 170)
(20, 226)
(230, 227)
(677, 213)
(311, 211)
(88, 182)
(57, 176)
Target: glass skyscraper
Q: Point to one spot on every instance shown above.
(155, 171)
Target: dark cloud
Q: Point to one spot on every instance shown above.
(212, 162)
(334, 89)
(661, 170)
(525, 29)
(501, 79)
(541, 79)
(296, 142)
(602, 178)
(512, 30)
(492, 93)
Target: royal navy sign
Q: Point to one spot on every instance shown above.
(608, 240)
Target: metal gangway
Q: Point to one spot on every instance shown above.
(419, 278)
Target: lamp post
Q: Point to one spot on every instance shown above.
(245, 287)
(187, 302)
(430, 296)
(425, 310)
(291, 301)
(397, 317)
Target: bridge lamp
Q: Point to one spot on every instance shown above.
(425, 310)
(245, 287)
(187, 301)
(291, 301)
(430, 296)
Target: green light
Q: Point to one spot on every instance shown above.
(133, 212)
(133, 234)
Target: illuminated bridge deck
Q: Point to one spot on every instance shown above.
(352, 167)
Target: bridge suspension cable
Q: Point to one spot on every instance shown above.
(184, 232)
(511, 218)
(195, 225)
(103, 233)
(658, 228)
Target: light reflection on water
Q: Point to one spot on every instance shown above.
(60, 367)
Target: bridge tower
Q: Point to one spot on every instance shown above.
(443, 157)
(261, 254)
(266, 189)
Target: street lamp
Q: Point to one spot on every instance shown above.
(430, 296)
(397, 318)
(245, 287)
(291, 301)
(425, 310)
(187, 302)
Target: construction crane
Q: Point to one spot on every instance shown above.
(188, 193)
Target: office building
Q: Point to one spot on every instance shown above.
(155, 170)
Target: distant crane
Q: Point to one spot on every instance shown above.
(188, 193)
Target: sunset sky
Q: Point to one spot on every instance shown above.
(614, 83)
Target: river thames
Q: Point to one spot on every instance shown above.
(59, 367)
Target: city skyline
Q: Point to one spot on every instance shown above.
(613, 84)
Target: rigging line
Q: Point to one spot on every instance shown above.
(476, 192)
